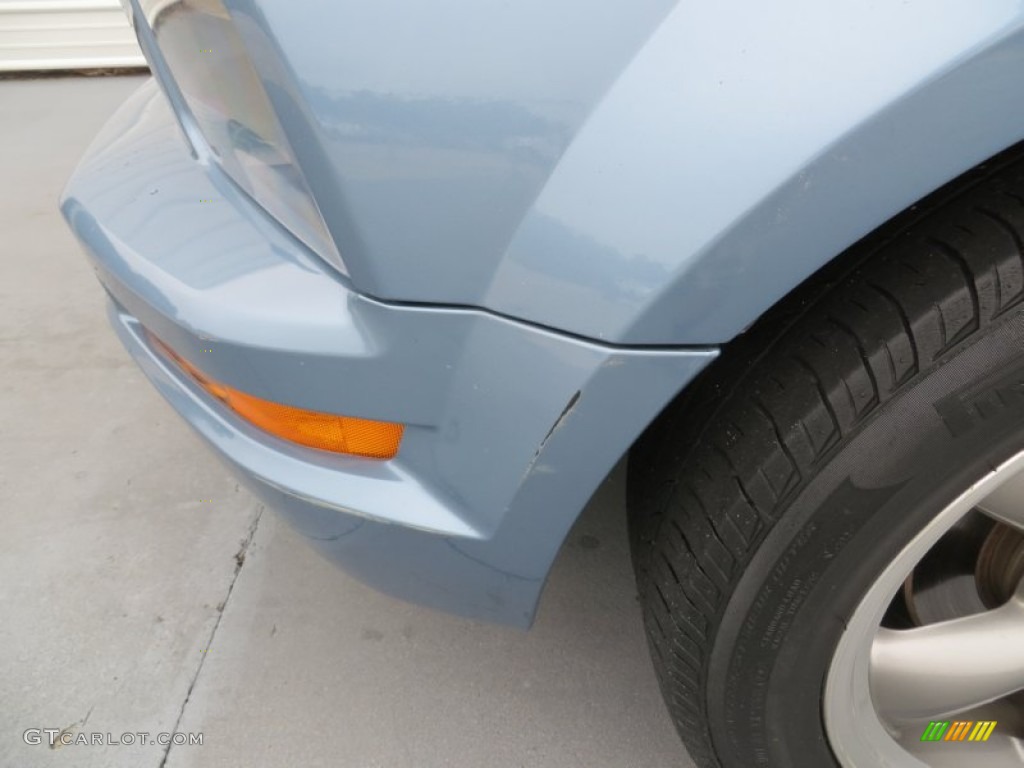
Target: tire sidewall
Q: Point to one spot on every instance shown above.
(867, 500)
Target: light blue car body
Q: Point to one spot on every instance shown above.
(552, 216)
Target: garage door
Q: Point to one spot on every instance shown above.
(65, 34)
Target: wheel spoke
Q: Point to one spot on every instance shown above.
(941, 669)
(1006, 503)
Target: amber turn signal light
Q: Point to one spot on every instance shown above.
(326, 431)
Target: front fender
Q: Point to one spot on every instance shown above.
(749, 144)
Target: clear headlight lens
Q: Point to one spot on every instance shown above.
(201, 47)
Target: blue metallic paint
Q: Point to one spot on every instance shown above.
(640, 173)
(509, 427)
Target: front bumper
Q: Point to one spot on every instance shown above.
(509, 427)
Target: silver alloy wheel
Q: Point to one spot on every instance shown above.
(885, 685)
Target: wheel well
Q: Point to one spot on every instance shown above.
(697, 402)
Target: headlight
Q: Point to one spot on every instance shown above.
(204, 53)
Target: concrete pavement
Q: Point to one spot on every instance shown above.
(141, 590)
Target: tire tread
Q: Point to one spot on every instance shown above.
(722, 465)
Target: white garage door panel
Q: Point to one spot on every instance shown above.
(65, 34)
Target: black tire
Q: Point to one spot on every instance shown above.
(766, 501)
